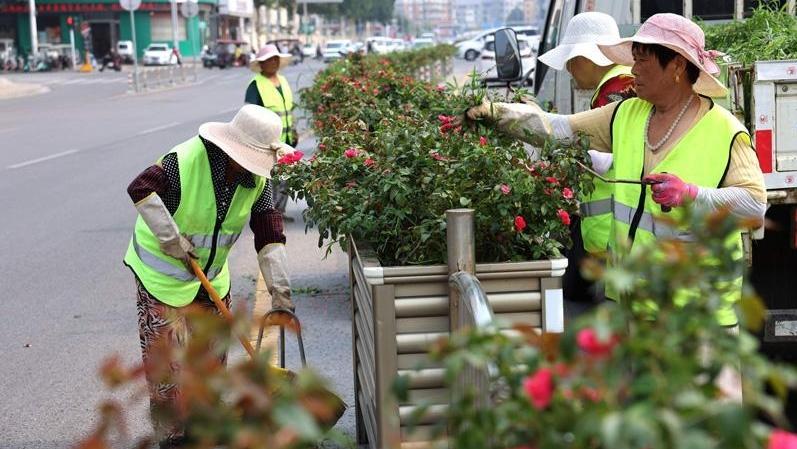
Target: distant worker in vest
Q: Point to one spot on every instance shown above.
(673, 134)
(193, 204)
(591, 70)
(271, 90)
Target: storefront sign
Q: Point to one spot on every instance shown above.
(17, 8)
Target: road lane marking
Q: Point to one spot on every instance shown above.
(42, 159)
(157, 128)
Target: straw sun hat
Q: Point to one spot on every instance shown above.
(680, 35)
(583, 34)
(265, 53)
(251, 138)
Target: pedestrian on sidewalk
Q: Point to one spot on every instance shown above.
(579, 54)
(271, 90)
(192, 204)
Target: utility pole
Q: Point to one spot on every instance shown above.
(175, 40)
(34, 37)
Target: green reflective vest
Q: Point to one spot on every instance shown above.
(701, 157)
(165, 277)
(596, 208)
(281, 105)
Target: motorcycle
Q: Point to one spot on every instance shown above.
(112, 61)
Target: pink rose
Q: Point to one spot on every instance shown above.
(505, 189)
(368, 162)
(290, 158)
(564, 216)
(552, 180)
(520, 223)
(539, 388)
(322, 147)
(483, 141)
(587, 340)
(441, 88)
(437, 156)
(780, 439)
(445, 119)
(567, 193)
(350, 153)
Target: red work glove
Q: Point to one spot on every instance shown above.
(669, 190)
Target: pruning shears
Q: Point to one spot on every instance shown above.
(644, 182)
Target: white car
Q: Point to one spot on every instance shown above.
(125, 50)
(470, 49)
(528, 59)
(308, 50)
(379, 45)
(335, 49)
(422, 42)
(158, 54)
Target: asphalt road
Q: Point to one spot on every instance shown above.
(66, 158)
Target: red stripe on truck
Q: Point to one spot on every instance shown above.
(763, 148)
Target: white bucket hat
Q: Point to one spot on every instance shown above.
(583, 34)
(265, 53)
(251, 138)
(680, 35)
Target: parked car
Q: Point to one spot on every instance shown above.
(486, 64)
(335, 49)
(308, 50)
(292, 46)
(422, 42)
(125, 50)
(470, 49)
(159, 54)
(226, 53)
(379, 45)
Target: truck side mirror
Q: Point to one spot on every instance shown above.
(507, 55)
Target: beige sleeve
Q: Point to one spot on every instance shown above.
(744, 171)
(597, 124)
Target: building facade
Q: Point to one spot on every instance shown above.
(428, 15)
(104, 23)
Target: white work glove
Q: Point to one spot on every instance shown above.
(601, 162)
(162, 225)
(273, 261)
(522, 120)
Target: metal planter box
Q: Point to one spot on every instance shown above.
(397, 312)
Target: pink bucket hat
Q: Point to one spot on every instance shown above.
(680, 35)
(265, 53)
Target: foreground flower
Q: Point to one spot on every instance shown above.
(483, 141)
(567, 193)
(505, 189)
(587, 339)
(520, 223)
(437, 156)
(780, 439)
(539, 388)
(290, 158)
(563, 216)
(552, 180)
(368, 162)
(350, 153)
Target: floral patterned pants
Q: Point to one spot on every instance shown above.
(159, 323)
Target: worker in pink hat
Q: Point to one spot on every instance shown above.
(673, 134)
(271, 90)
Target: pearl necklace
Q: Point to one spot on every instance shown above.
(666, 137)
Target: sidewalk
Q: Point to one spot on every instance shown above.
(10, 89)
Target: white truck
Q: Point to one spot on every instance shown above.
(771, 251)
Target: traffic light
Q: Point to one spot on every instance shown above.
(70, 21)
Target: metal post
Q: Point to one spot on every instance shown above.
(305, 22)
(175, 41)
(461, 244)
(72, 44)
(34, 38)
(193, 44)
(135, 52)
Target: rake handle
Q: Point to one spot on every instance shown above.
(225, 312)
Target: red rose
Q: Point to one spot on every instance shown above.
(588, 341)
(505, 189)
(539, 388)
(445, 119)
(350, 153)
(567, 193)
(291, 158)
(564, 216)
(436, 156)
(322, 147)
(368, 162)
(552, 180)
(483, 141)
(520, 223)
(780, 439)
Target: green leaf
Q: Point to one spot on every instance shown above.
(295, 417)
(464, 201)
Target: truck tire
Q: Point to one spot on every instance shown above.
(470, 55)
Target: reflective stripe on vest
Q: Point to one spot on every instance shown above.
(713, 135)
(280, 104)
(596, 208)
(165, 277)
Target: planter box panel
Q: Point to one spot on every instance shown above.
(427, 396)
(418, 433)
(439, 288)
(424, 378)
(515, 301)
(417, 343)
(507, 320)
(368, 369)
(422, 306)
(510, 286)
(364, 314)
(369, 420)
(422, 324)
(433, 413)
(417, 361)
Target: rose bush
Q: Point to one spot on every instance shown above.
(618, 379)
(393, 157)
